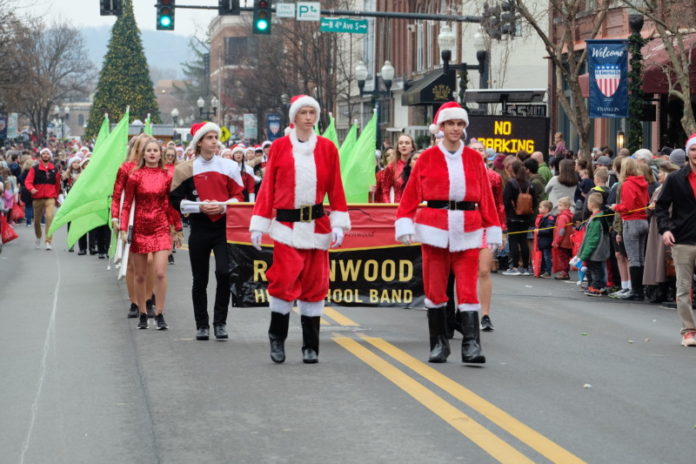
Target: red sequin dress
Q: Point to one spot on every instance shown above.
(153, 212)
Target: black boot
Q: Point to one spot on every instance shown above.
(471, 340)
(310, 339)
(636, 284)
(277, 333)
(437, 326)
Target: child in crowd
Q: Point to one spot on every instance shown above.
(561, 245)
(595, 249)
(545, 222)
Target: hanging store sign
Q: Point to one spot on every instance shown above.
(607, 62)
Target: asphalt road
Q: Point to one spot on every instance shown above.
(568, 379)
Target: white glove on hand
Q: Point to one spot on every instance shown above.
(407, 239)
(114, 223)
(493, 246)
(336, 237)
(256, 239)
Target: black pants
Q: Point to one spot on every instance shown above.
(518, 244)
(99, 239)
(201, 242)
(596, 277)
(82, 241)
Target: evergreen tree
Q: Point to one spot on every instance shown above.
(125, 76)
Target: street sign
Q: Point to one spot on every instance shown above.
(353, 26)
(308, 11)
(510, 134)
(285, 10)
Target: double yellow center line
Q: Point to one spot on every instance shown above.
(488, 441)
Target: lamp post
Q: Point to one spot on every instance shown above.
(446, 41)
(175, 116)
(207, 114)
(285, 100)
(387, 72)
(62, 116)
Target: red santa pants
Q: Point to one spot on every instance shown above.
(437, 263)
(298, 274)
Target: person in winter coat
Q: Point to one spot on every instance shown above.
(562, 245)
(520, 204)
(43, 181)
(392, 182)
(544, 223)
(595, 247)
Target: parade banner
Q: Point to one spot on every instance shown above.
(273, 126)
(370, 268)
(510, 134)
(607, 63)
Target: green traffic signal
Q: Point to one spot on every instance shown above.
(262, 17)
(165, 15)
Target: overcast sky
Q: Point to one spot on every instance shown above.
(85, 13)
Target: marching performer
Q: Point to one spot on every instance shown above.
(452, 180)
(301, 170)
(208, 179)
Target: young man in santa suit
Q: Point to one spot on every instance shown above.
(302, 169)
(452, 180)
(207, 178)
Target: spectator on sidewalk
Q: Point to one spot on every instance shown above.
(595, 249)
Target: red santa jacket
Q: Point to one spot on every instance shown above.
(300, 174)
(459, 176)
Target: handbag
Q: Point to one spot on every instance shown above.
(17, 213)
(7, 232)
(603, 250)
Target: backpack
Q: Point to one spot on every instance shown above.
(524, 203)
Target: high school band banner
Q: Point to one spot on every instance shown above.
(370, 268)
(607, 62)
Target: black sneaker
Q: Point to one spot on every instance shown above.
(171, 259)
(220, 331)
(133, 311)
(142, 324)
(102, 255)
(486, 324)
(203, 333)
(150, 308)
(161, 324)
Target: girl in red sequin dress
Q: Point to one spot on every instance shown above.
(155, 225)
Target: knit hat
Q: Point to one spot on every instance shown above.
(678, 157)
(603, 160)
(690, 141)
(299, 101)
(448, 112)
(198, 131)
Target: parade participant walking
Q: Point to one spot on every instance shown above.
(302, 169)
(155, 226)
(452, 180)
(207, 178)
(43, 181)
(392, 184)
(676, 222)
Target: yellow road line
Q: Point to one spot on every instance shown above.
(522, 432)
(322, 321)
(339, 318)
(486, 440)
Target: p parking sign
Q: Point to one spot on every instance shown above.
(308, 11)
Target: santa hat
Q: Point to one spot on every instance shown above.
(237, 148)
(266, 143)
(690, 141)
(199, 130)
(41, 152)
(297, 102)
(72, 160)
(450, 111)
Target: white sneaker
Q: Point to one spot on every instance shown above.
(37, 243)
(48, 246)
(512, 272)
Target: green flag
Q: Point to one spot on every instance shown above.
(330, 132)
(348, 145)
(103, 133)
(90, 197)
(359, 172)
(148, 125)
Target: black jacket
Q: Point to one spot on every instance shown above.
(677, 194)
(510, 192)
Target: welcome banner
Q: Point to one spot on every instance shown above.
(370, 269)
(607, 62)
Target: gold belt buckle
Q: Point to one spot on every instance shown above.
(306, 213)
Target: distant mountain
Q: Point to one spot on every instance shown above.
(163, 50)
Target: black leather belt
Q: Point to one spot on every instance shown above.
(305, 213)
(453, 205)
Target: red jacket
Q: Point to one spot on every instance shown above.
(634, 196)
(563, 230)
(45, 178)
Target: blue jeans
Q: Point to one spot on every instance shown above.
(29, 213)
(546, 260)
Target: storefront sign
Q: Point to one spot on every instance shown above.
(607, 62)
(509, 134)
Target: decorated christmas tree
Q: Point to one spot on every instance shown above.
(125, 76)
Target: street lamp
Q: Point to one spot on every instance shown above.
(175, 116)
(62, 117)
(213, 107)
(387, 72)
(446, 42)
(285, 100)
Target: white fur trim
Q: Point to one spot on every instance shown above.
(304, 100)
(457, 192)
(404, 226)
(252, 197)
(340, 219)
(434, 128)
(207, 127)
(429, 304)
(51, 153)
(440, 238)
(279, 306)
(259, 224)
(451, 114)
(468, 307)
(301, 236)
(494, 235)
(311, 308)
(690, 141)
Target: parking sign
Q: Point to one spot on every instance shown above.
(308, 11)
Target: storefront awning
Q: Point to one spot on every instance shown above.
(655, 63)
(435, 88)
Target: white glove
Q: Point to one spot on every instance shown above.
(493, 246)
(336, 237)
(407, 239)
(114, 223)
(256, 239)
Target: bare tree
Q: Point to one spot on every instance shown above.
(672, 20)
(567, 61)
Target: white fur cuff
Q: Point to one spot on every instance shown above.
(279, 306)
(429, 304)
(404, 226)
(468, 307)
(340, 219)
(260, 224)
(494, 235)
(311, 309)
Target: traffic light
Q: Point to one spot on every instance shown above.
(165, 15)
(507, 18)
(490, 21)
(228, 7)
(110, 7)
(262, 17)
